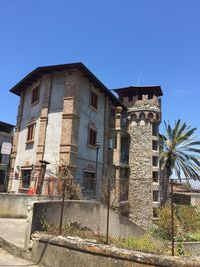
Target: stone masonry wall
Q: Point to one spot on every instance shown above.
(140, 185)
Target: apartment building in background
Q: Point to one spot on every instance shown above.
(66, 113)
(6, 137)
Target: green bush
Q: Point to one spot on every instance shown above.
(164, 222)
(193, 236)
(188, 218)
(143, 243)
(186, 222)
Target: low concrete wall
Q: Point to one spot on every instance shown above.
(91, 214)
(62, 252)
(16, 205)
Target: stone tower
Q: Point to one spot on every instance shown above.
(144, 115)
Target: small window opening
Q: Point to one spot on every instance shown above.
(155, 196)
(150, 96)
(155, 161)
(35, 95)
(94, 100)
(89, 181)
(155, 177)
(26, 178)
(155, 129)
(130, 98)
(92, 137)
(31, 132)
(155, 213)
(155, 145)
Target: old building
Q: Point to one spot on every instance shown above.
(66, 113)
(6, 136)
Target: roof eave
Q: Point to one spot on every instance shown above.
(38, 72)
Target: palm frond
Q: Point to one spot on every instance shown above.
(180, 149)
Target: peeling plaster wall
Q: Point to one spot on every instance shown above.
(53, 133)
(86, 154)
(26, 153)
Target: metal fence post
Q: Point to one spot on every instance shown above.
(41, 176)
(108, 212)
(172, 217)
(62, 207)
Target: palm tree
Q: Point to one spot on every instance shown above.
(179, 152)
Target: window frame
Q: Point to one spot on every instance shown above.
(155, 195)
(93, 143)
(155, 145)
(89, 182)
(94, 100)
(25, 169)
(155, 161)
(30, 132)
(2, 177)
(155, 176)
(35, 94)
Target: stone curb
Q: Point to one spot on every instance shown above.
(84, 246)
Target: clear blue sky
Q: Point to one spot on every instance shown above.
(117, 40)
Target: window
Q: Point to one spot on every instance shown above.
(155, 129)
(92, 138)
(26, 178)
(155, 145)
(130, 98)
(89, 181)
(150, 96)
(155, 177)
(31, 132)
(94, 100)
(2, 177)
(155, 161)
(35, 95)
(115, 147)
(155, 213)
(155, 196)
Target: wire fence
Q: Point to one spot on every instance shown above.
(173, 229)
(185, 217)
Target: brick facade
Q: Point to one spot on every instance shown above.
(70, 122)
